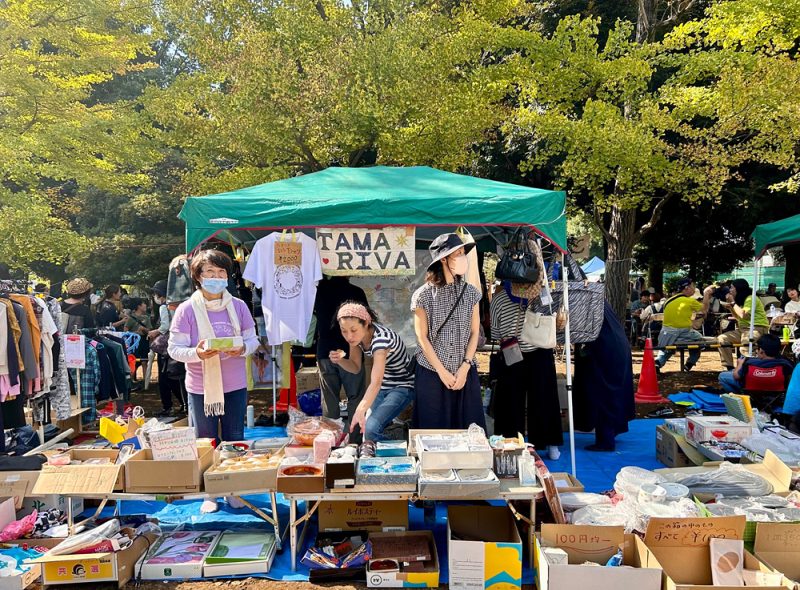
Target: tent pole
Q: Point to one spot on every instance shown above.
(568, 361)
(274, 386)
(756, 264)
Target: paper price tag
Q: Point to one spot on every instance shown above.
(176, 444)
(288, 254)
(75, 351)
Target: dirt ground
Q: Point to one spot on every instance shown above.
(670, 381)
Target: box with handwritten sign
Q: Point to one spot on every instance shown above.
(562, 552)
(144, 474)
(173, 444)
(778, 546)
(683, 548)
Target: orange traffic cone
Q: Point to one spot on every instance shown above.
(647, 392)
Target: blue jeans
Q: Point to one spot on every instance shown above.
(387, 406)
(729, 383)
(232, 420)
(669, 336)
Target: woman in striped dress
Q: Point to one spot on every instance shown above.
(391, 387)
(527, 391)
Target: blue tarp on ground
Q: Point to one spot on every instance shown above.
(595, 470)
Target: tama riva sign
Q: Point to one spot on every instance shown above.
(367, 251)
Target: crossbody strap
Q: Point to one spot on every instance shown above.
(449, 315)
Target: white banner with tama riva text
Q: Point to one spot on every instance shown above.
(367, 251)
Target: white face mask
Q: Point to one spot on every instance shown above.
(459, 266)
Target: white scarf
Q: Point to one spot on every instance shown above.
(213, 391)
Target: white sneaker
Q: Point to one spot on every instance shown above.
(209, 506)
(553, 452)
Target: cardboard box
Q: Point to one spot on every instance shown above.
(76, 480)
(364, 515)
(778, 546)
(682, 547)
(179, 555)
(86, 454)
(719, 428)
(596, 544)
(301, 484)
(493, 561)
(259, 546)
(340, 476)
(775, 471)
(143, 475)
(22, 581)
(567, 483)
(426, 577)
(98, 567)
(50, 501)
(307, 379)
(673, 450)
(431, 461)
(245, 480)
(17, 485)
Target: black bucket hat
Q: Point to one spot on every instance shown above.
(445, 245)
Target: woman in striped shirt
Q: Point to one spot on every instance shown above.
(391, 387)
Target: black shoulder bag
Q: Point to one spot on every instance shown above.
(412, 367)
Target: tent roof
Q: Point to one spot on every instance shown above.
(777, 233)
(594, 265)
(377, 196)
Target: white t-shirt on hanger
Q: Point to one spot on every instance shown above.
(287, 290)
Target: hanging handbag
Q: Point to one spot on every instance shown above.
(512, 353)
(160, 343)
(539, 330)
(518, 263)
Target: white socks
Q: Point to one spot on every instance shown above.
(553, 452)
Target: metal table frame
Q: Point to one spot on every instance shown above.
(508, 493)
(170, 498)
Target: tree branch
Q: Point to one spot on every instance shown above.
(598, 220)
(321, 10)
(654, 217)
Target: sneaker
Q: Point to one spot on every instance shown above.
(693, 412)
(661, 413)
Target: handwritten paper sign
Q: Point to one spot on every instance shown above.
(365, 251)
(692, 532)
(75, 351)
(175, 444)
(288, 254)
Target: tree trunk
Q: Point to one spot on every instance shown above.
(655, 275)
(621, 240)
(791, 255)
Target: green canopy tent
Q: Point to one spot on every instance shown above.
(432, 200)
(766, 236)
(376, 197)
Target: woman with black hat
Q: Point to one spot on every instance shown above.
(447, 324)
(740, 299)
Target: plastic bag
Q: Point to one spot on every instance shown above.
(630, 480)
(19, 528)
(727, 480)
(311, 402)
(87, 539)
(304, 429)
(605, 515)
(573, 501)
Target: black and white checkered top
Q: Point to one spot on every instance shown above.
(451, 344)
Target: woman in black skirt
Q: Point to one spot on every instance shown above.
(526, 397)
(447, 324)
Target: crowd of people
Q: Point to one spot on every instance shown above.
(724, 315)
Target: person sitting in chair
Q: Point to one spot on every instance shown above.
(767, 371)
